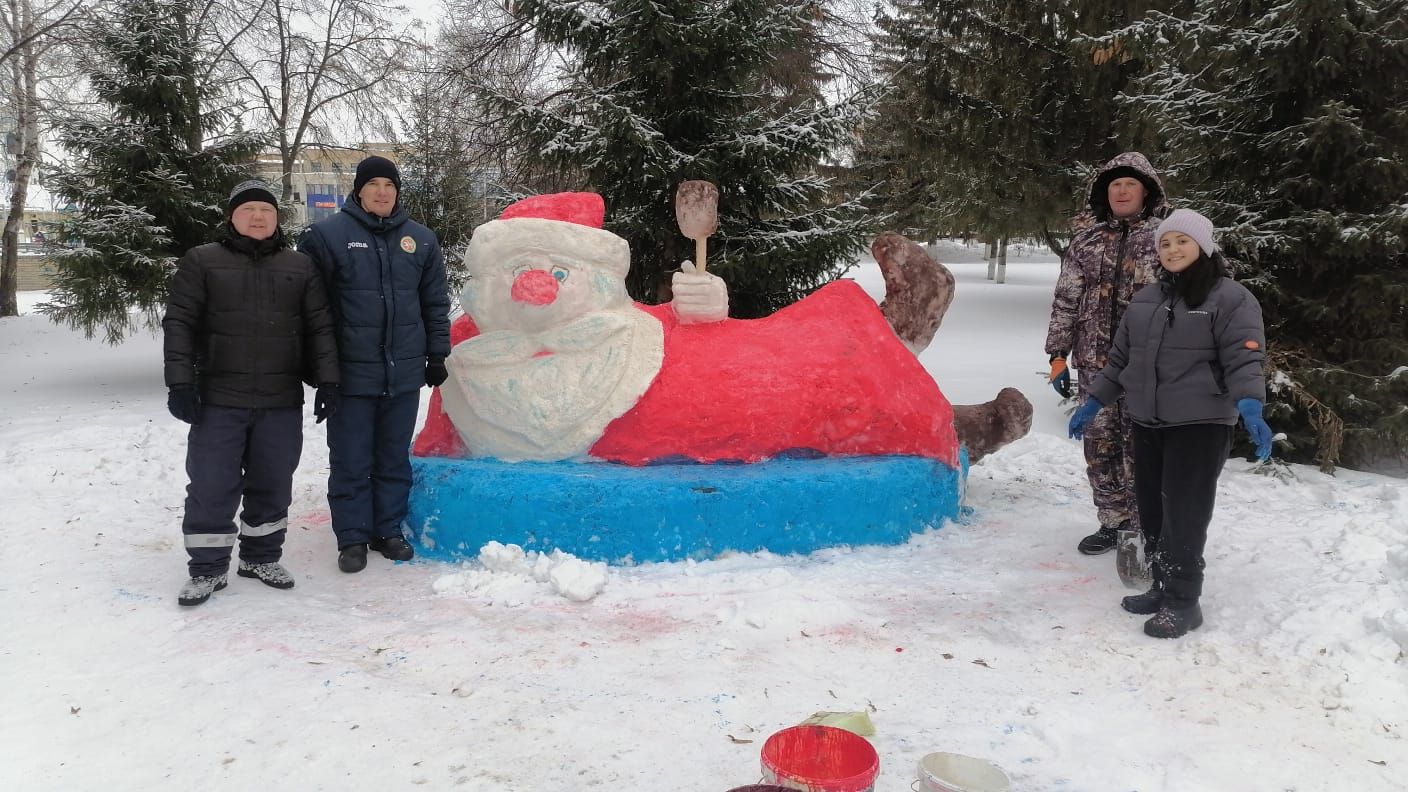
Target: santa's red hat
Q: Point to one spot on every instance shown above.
(568, 224)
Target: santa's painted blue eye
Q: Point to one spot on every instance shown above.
(560, 273)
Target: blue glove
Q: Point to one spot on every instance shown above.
(1256, 426)
(1082, 416)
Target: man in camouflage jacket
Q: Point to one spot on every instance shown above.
(1105, 264)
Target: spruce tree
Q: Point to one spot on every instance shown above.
(445, 183)
(672, 90)
(1289, 122)
(145, 181)
(995, 114)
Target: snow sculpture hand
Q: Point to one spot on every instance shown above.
(699, 296)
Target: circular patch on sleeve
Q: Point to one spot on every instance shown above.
(1252, 345)
(408, 244)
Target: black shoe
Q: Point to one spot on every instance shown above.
(1172, 622)
(1102, 541)
(353, 558)
(394, 548)
(1146, 603)
(198, 589)
(271, 574)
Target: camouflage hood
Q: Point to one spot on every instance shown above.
(1130, 163)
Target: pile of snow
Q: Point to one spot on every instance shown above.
(508, 576)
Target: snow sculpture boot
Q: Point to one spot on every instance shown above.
(1102, 541)
(198, 589)
(271, 574)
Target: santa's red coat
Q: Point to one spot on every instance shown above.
(825, 375)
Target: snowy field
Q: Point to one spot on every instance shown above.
(992, 638)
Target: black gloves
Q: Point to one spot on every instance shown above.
(435, 372)
(325, 402)
(184, 403)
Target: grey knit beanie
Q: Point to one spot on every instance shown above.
(1187, 221)
(252, 190)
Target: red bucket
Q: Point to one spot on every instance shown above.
(820, 759)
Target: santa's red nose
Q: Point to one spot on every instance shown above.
(534, 287)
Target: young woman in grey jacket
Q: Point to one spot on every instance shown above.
(1188, 358)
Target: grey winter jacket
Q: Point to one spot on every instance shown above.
(1105, 264)
(386, 282)
(1179, 366)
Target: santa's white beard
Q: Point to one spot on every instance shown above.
(511, 401)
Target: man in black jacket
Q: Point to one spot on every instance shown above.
(246, 321)
(386, 282)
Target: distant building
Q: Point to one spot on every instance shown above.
(321, 176)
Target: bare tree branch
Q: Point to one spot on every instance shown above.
(302, 61)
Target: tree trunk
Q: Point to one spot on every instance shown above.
(286, 158)
(190, 92)
(1002, 261)
(24, 98)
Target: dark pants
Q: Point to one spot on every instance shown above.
(237, 454)
(369, 450)
(1175, 477)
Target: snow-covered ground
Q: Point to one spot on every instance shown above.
(992, 638)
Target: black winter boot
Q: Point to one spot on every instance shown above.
(1102, 541)
(270, 574)
(199, 588)
(1151, 600)
(394, 548)
(353, 558)
(1146, 603)
(1174, 619)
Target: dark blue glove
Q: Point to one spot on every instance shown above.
(435, 372)
(325, 402)
(183, 402)
(1060, 378)
(1256, 426)
(1082, 416)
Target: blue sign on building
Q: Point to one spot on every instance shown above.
(322, 205)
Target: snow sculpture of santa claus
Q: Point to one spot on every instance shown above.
(553, 361)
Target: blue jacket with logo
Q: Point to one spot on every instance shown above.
(386, 282)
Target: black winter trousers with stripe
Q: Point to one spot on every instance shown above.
(1175, 480)
(238, 455)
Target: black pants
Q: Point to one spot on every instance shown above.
(235, 455)
(1175, 481)
(369, 451)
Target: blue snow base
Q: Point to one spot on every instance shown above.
(623, 514)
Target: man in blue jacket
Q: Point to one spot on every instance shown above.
(386, 281)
